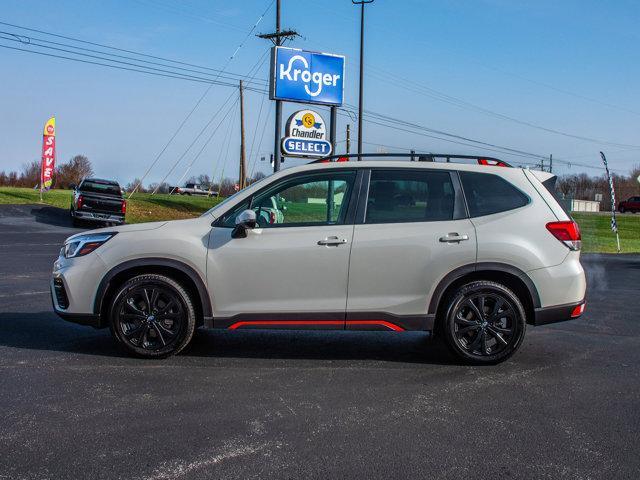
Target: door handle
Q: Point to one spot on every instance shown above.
(332, 241)
(453, 238)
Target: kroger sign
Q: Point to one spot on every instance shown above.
(307, 77)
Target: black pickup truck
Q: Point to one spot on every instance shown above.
(98, 200)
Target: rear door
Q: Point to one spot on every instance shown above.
(411, 231)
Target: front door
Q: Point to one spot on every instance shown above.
(291, 270)
(414, 231)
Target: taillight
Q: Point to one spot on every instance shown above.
(272, 217)
(124, 207)
(567, 232)
(578, 310)
(79, 202)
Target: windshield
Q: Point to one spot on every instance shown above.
(232, 197)
(106, 188)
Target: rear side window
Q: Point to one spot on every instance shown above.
(550, 185)
(400, 196)
(487, 194)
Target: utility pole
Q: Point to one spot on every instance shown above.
(278, 39)
(348, 138)
(362, 4)
(550, 163)
(332, 129)
(277, 132)
(242, 181)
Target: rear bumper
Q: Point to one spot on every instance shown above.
(98, 216)
(558, 313)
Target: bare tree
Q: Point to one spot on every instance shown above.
(74, 171)
(256, 177)
(30, 176)
(131, 185)
(227, 187)
(163, 187)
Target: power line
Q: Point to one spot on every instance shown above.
(231, 108)
(253, 69)
(395, 121)
(174, 9)
(440, 96)
(202, 97)
(264, 128)
(110, 47)
(134, 64)
(193, 142)
(177, 76)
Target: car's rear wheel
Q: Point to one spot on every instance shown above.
(152, 316)
(485, 322)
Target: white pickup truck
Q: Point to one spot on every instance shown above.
(194, 189)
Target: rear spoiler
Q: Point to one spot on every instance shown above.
(542, 176)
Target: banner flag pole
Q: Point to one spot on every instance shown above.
(48, 155)
(614, 223)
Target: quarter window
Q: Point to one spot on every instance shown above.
(400, 196)
(487, 193)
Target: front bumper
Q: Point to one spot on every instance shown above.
(73, 285)
(99, 217)
(558, 313)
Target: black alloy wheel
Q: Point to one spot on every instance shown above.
(485, 323)
(152, 316)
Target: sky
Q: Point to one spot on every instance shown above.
(545, 77)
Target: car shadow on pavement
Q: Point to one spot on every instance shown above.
(409, 347)
(55, 216)
(45, 331)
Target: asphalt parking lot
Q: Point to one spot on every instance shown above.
(314, 404)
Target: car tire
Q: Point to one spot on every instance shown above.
(77, 223)
(484, 323)
(152, 316)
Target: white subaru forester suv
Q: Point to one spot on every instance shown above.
(470, 253)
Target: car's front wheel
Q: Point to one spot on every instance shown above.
(485, 322)
(152, 316)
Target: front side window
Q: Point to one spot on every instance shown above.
(398, 196)
(487, 194)
(317, 199)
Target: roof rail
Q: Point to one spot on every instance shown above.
(417, 157)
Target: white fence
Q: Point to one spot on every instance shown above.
(585, 206)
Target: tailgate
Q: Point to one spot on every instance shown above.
(101, 203)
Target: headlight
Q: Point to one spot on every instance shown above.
(84, 244)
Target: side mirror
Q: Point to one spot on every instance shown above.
(244, 221)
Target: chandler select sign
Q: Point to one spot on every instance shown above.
(306, 77)
(306, 136)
